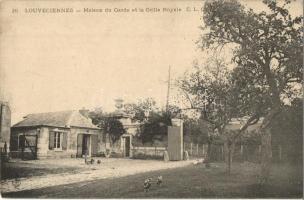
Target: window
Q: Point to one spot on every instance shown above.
(57, 140)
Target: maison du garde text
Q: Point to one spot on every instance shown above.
(150, 10)
(108, 10)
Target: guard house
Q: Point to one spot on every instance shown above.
(54, 135)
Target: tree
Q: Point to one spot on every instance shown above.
(111, 126)
(197, 130)
(267, 51)
(141, 109)
(155, 126)
(97, 116)
(210, 91)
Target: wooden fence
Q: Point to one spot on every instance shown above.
(242, 152)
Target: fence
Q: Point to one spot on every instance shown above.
(242, 152)
(200, 150)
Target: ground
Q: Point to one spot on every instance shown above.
(190, 181)
(35, 174)
(17, 169)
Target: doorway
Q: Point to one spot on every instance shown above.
(83, 145)
(127, 146)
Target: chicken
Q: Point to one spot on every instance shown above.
(147, 184)
(159, 180)
(198, 161)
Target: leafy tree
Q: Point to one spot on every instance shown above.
(209, 90)
(197, 130)
(174, 112)
(97, 116)
(114, 128)
(111, 126)
(267, 51)
(156, 125)
(141, 109)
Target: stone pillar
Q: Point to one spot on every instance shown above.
(5, 125)
(175, 140)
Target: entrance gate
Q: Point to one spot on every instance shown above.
(27, 146)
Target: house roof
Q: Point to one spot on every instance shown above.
(65, 119)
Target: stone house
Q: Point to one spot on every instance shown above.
(55, 135)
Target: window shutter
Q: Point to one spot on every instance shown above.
(79, 145)
(51, 140)
(64, 141)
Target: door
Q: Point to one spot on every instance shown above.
(127, 146)
(86, 145)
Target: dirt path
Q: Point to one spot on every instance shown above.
(110, 168)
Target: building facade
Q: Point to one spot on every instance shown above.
(55, 135)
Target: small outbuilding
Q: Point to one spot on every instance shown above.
(54, 135)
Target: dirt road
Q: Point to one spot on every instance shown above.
(109, 168)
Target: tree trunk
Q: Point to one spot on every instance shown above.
(226, 154)
(266, 155)
(266, 148)
(229, 151)
(208, 155)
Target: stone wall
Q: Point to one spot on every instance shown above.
(148, 152)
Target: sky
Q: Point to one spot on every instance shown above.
(52, 62)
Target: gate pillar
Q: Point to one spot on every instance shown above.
(175, 140)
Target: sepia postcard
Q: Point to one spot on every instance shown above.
(151, 99)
